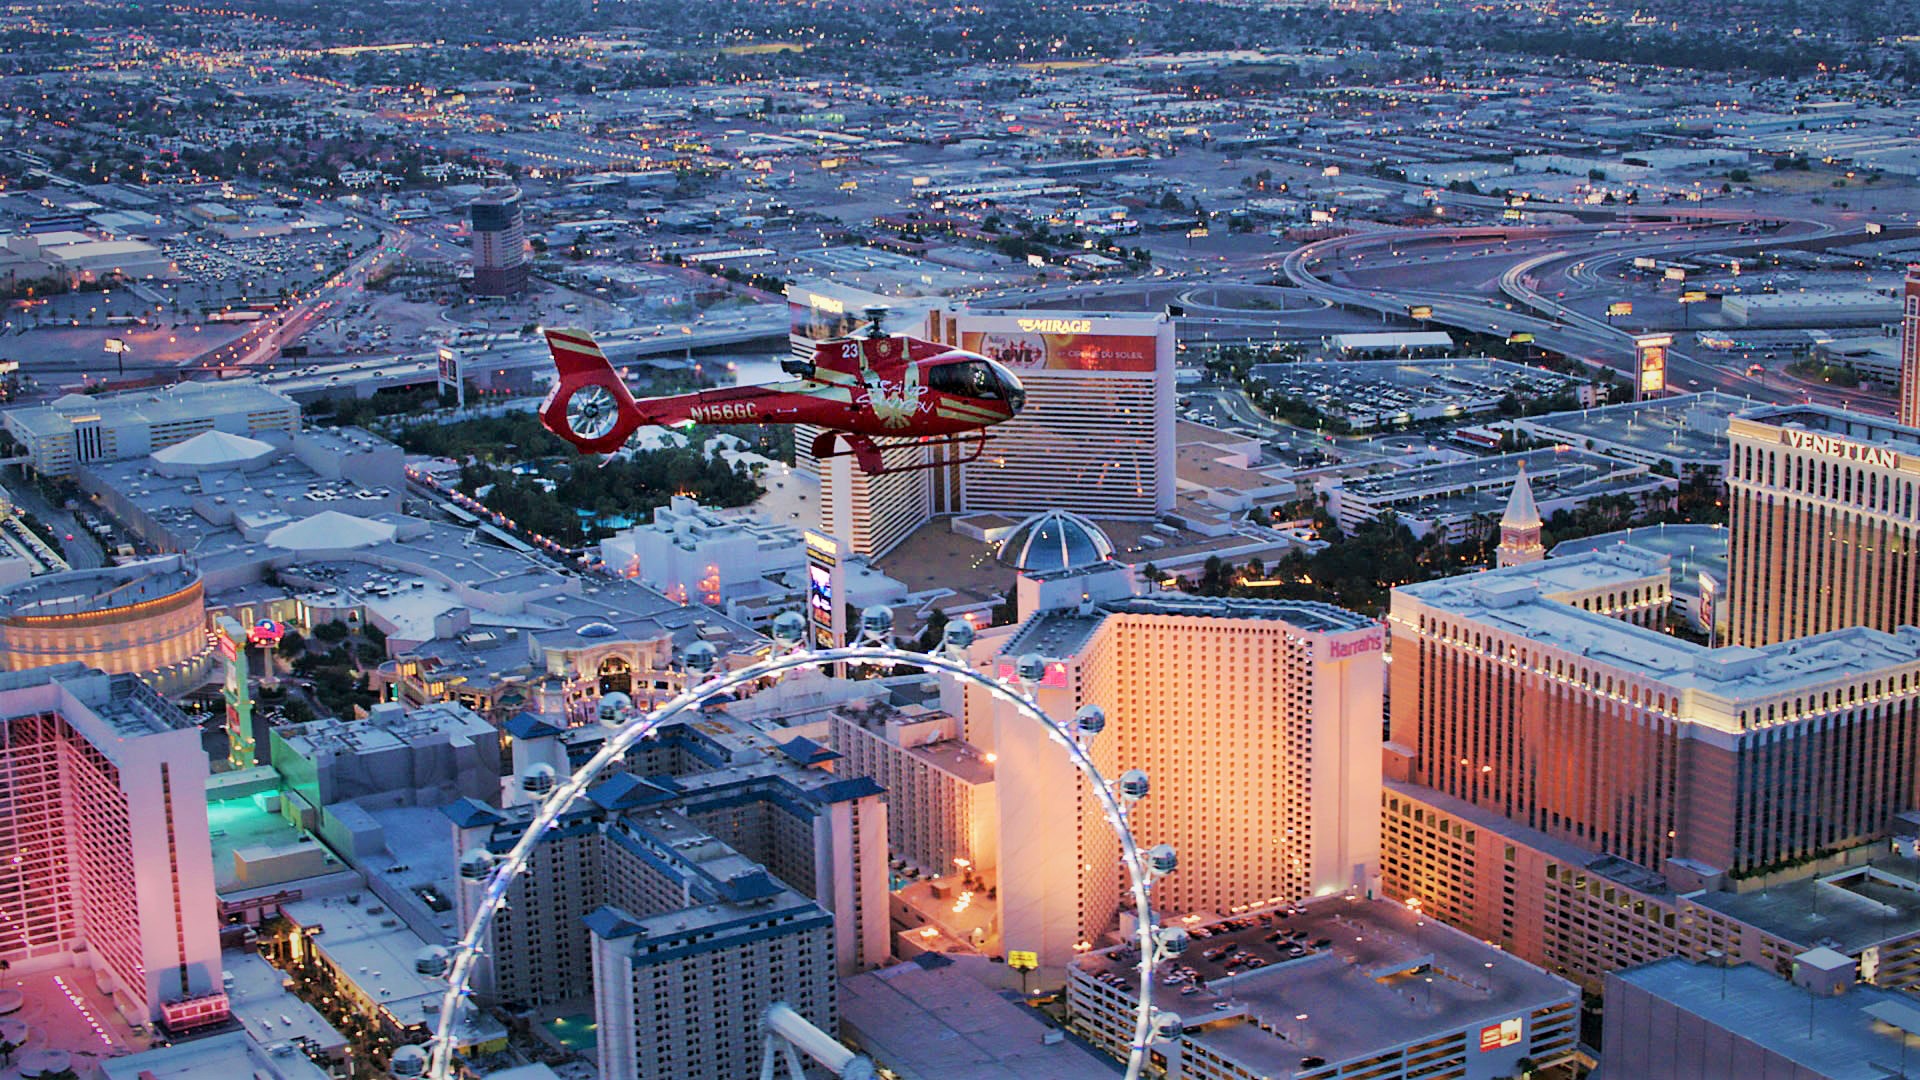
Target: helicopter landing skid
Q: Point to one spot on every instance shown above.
(871, 455)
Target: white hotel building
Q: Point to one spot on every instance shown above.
(1097, 434)
(76, 429)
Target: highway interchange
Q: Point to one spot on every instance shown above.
(1551, 281)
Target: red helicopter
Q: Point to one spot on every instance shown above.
(877, 392)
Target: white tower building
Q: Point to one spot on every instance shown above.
(1520, 526)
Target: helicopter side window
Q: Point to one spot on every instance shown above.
(969, 378)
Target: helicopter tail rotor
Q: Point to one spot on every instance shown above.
(589, 406)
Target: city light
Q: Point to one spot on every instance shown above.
(1455, 473)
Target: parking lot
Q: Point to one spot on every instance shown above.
(266, 264)
(1224, 949)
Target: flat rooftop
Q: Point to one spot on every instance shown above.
(76, 592)
(1848, 910)
(240, 823)
(1369, 389)
(1689, 428)
(941, 1021)
(387, 729)
(1059, 633)
(1511, 599)
(1308, 615)
(370, 947)
(1370, 975)
(1833, 1037)
(127, 706)
(1205, 465)
(1690, 550)
(954, 756)
(1858, 427)
(1483, 485)
(180, 402)
(224, 1056)
(1053, 633)
(270, 1012)
(65, 1010)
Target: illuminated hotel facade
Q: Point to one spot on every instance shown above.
(1824, 523)
(146, 618)
(105, 857)
(499, 243)
(1096, 436)
(1578, 788)
(1631, 742)
(1257, 724)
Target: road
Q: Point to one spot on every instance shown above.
(261, 344)
(77, 546)
(1555, 325)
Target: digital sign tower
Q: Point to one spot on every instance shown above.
(1910, 349)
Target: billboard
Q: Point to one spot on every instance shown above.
(1505, 1033)
(1048, 344)
(1619, 307)
(1650, 354)
(820, 592)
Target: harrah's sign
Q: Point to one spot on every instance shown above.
(1375, 641)
(1842, 449)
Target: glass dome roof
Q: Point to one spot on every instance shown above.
(1055, 540)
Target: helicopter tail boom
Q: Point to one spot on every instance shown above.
(589, 405)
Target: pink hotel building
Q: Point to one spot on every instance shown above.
(105, 858)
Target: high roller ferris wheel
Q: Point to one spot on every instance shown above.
(1116, 798)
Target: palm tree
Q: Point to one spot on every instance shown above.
(7, 1047)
